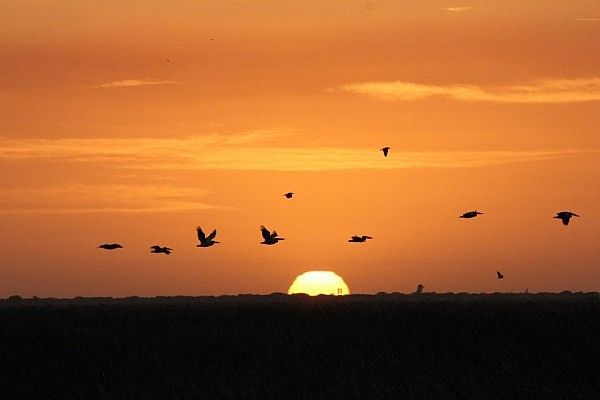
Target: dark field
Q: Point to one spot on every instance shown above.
(391, 346)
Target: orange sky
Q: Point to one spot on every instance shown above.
(489, 105)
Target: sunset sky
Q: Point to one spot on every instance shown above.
(134, 122)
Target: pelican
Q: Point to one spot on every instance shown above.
(565, 216)
(385, 150)
(470, 214)
(289, 195)
(359, 239)
(500, 275)
(206, 241)
(158, 249)
(269, 237)
(110, 246)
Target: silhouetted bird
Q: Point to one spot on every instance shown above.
(159, 249)
(206, 241)
(500, 276)
(470, 214)
(289, 195)
(110, 246)
(359, 239)
(565, 216)
(385, 151)
(269, 237)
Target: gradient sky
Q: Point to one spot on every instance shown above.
(133, 124)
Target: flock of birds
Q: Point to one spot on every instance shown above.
(271, 237)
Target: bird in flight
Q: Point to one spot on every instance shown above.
(385, 150)
(206, 241)
(158, 249)
(289, 195)
(470, 214)
(269, 237)
(110, 246)
(500, 275)
(359, 239)
(565, 216)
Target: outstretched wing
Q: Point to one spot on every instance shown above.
(155, 247)
(201, 235)
(367, 237)
(212, 235)
(273, 234)
(500, 276)
(265, 233)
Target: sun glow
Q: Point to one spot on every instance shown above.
(314, 283)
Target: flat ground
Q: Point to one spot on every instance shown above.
(431, 346)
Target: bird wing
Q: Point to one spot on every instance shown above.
(367, 237)
(212, 235)
(155, 247)
(356, 238)
(499, 274)
(201, 235)
(273, 234)
(265, 233)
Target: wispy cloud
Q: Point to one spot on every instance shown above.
(135, 82)
(540, 91)
(459, 9)
(588, 19)
(103, 198)
(211, 153)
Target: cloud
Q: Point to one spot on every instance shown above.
(540, 91)
(135, 82)
(587, 19)
(103, 198)
(246, 153)
(459, 9)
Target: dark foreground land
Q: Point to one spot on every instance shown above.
(500, 346)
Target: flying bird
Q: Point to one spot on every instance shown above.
(500, 275)
(565, 216)
(206, 241)
(289, 195)
(158, 249)
(110, 246)
(269, 237)
(385, 150)
(359, 239)
(470, 214)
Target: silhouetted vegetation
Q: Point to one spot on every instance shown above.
(426, 346)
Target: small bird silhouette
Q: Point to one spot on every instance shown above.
(470, 214)
(110, 246)
(269, 237)
(158, 249)
(500, 276)
(385, 150)
(359, 239)
(206, 241)
(565, 216)
(289, 195)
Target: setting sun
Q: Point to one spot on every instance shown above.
(314, 283)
